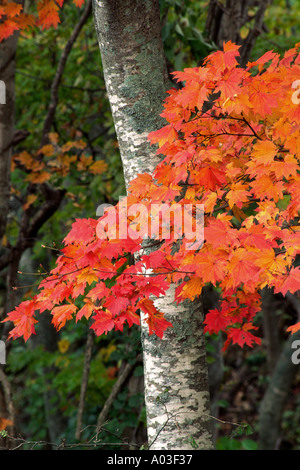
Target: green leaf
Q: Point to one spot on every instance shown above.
(248, 444)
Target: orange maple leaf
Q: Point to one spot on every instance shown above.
(4, 423)
(62, 313)
(264, 151)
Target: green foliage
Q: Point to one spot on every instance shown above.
(182, 32)
(281, 30)
(225, 443)
(36, 372)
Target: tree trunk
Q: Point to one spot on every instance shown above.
(279, 387)
(7, 120)
(176, 383)
(275, 398)
(225, 20)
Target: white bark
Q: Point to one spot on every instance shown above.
(176, 383)
(135, 76)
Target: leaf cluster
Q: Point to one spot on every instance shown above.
(231, 144)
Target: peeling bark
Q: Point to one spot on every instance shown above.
(135, 76)
(176, 379)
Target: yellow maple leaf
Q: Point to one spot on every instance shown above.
(271, 263)
(98, 167)
(25, 158)
(38, 177)
(63, 345)
(47, 150)
(192, 288)
(264, 151)
(53, 137)
(237, 195)
(30, 200)
(87, 276)
(84, 162)
(77, 144)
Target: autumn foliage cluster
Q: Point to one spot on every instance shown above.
(14, 18)
(231, 143)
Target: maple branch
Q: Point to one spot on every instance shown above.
(249, 125)
(223, 116)
(209, 136)
(29, 228)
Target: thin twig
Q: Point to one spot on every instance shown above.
(84, 382)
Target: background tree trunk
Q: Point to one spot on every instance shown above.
(176, 383)
(225, 20)
(275, 398)
(283, 372)
(7, 121)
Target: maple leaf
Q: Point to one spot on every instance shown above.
(219, 233)
(263, 187)
(103, 322)
(271, 263)
(242, 336)
(294, 328)
(191, 288)
(211, 268)
(38, 177)
(12, 9)
(290, 282)
(141, 185)
(230, 83)
(210, 178)
(7, 29)
(264, 151)
(131, 317)
(48, 14)
(263, 101)
(23, 320)
(269, 55)
(83, 230)
(87, 276)
(156, 322)
(215, 322)
(240, 158)
(62, 313)
(116, 304)
(242, 268)
(86, 310)
(30, 200)
(79, 3)
(4, 423)
(237, 195)
(165, 135)
(98, 167)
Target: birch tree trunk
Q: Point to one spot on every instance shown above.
(175, 368)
